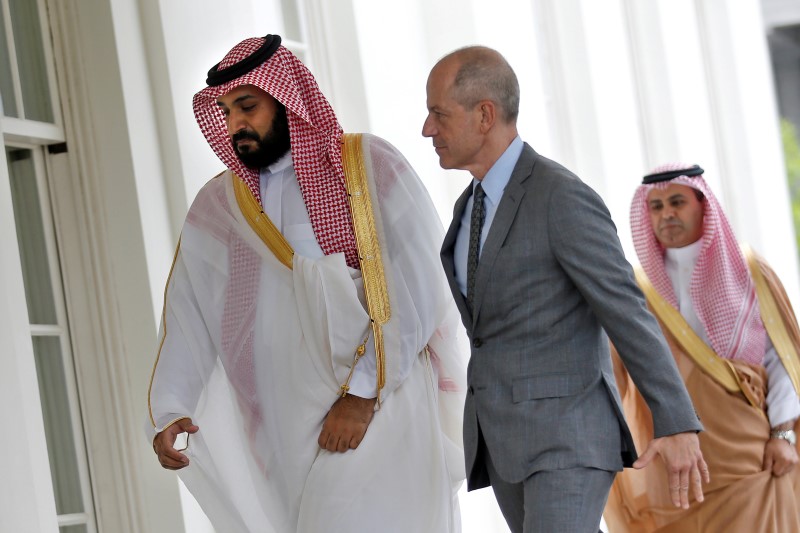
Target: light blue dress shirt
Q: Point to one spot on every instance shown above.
(493, 183)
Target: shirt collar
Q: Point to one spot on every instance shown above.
(686, 255)
(281, 164)
(495, 181)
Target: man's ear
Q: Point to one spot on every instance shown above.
(488, 115)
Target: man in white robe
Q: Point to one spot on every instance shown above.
(309, 344)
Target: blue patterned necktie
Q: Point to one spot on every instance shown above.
(475, 228)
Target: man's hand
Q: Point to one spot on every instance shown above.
(164, 444)
(684, 462)
(779, 457)
(346, 423)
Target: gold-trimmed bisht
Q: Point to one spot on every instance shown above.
(366, 240)
(163, 338)
(773, 322)
(261, 223)
(158, 356)
(719, 368)
(369, 251)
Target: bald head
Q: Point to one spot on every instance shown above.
(483, 74)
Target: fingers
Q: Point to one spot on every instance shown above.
(675, 487)
(684, 489)
(322, 440)
(783, 464)
(679, 485)
(346, 424)
(171, 463)
(186, 426)
(768, 462)
(646, 457)
(704, 471)
(168, 456)
(780, 457)
(697, 485)
(164, 444)
(338, 441)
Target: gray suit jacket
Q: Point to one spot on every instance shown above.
(551, 283)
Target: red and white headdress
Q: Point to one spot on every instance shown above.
(314, 132)
(722, 291)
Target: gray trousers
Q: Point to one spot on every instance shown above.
(570, 500)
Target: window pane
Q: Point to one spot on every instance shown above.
(31, 236)
(58, 424)
(6, 83)
(30, 60)
(291, 20)
(72, 529)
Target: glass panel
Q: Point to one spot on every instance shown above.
(73, 529)
(291, 20)
(30, 60)
(31, 236)
(6, 82)
(58, 424)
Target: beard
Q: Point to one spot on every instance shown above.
(269, 148)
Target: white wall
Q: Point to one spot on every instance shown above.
(781, 12)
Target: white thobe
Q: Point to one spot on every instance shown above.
(255, 352)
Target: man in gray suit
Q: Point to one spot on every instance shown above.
(538, 273)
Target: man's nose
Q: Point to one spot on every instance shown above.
(234, 123)
(428, 130)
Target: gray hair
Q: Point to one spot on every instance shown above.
(484, 74)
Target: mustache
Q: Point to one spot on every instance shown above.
(670, 224)
(244, 134)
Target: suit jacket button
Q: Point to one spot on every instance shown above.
(471, 390)
(477, 343)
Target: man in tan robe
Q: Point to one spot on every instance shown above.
(735, 339)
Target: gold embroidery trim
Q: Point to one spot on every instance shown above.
(773, 321)
(719, 368)
(360, 351)
(261, 223)
(369, 252)
(163, 337)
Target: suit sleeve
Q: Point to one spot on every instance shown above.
(585, 242)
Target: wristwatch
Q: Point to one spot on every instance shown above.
(785, 434)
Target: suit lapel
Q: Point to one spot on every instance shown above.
(448, 250)
(503, 218)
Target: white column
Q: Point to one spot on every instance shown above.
(672, 83)
(117, 242)
(27, 504)
(336, 65)
(745, 121)
(399, 43)
(592, 101)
